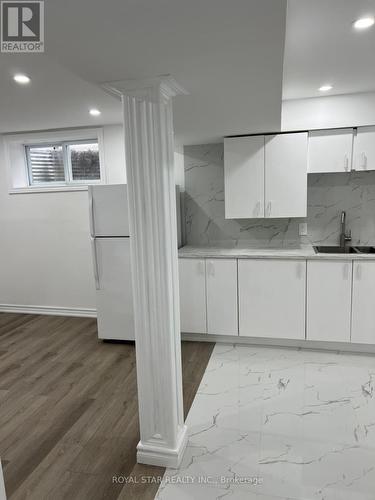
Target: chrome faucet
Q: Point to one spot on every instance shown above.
(344, 235)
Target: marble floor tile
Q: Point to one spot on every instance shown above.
(279, 424)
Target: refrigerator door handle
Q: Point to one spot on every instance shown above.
(95, 263)
(91, 209)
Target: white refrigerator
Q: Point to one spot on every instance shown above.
(110, 240)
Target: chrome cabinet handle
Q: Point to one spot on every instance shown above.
(201, 267)
(256, 209)
(299, 270)
(211, 268)
(95, 263)
(269, 208)
(364, 161)
(359, 271)
(345, 271)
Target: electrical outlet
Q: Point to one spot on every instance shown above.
(303, 229)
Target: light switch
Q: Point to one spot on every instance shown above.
(303, 229)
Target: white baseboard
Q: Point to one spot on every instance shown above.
(313, 345)
(151, 454)
(52, 311)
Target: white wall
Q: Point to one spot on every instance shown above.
(329, 111)
(114, 154)
(179, 170)
(45, 254)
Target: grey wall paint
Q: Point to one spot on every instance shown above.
(328, 195)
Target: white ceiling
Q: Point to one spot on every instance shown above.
(227, 54)
(322, 47)
(56, 98)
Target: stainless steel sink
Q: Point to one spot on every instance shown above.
(344, 250)
(362, 249)
(345, 237)
(335, 249)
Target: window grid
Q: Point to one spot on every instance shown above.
(67, 164)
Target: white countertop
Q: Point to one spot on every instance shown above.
(302, 252)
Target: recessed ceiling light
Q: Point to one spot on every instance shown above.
(325, 88)
(364, 22)
(22, 79)
(95, 112)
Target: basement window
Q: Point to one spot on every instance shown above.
(63, 163)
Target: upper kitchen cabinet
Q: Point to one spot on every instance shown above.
(244, 177)
(286, 175)
(364, 149)
(266, 176)
(330, 151)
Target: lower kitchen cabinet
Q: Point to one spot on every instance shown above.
(222, 310)
(329, 285)
(193, 295)
(272, 298)
(363, 310)
(320, 300)
(208, 296)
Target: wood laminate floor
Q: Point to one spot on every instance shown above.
(69, 411)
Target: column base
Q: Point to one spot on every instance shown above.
(151, 454)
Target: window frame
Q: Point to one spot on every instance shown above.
(68, 172)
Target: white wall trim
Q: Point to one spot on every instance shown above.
(284, 343)
(48, 310)
(35, 190)
(162, 456)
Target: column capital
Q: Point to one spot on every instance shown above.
(153, 89)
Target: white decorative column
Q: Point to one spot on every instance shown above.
(149, 146)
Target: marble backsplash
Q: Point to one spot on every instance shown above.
(328, 195)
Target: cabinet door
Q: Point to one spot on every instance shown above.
(330, 151)
(193, 295)
(286, 175)
(272, 298)
(114, 296)
(329, 300)
(363, 310)
(222, 314)
(244, 177)
(364, 149)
